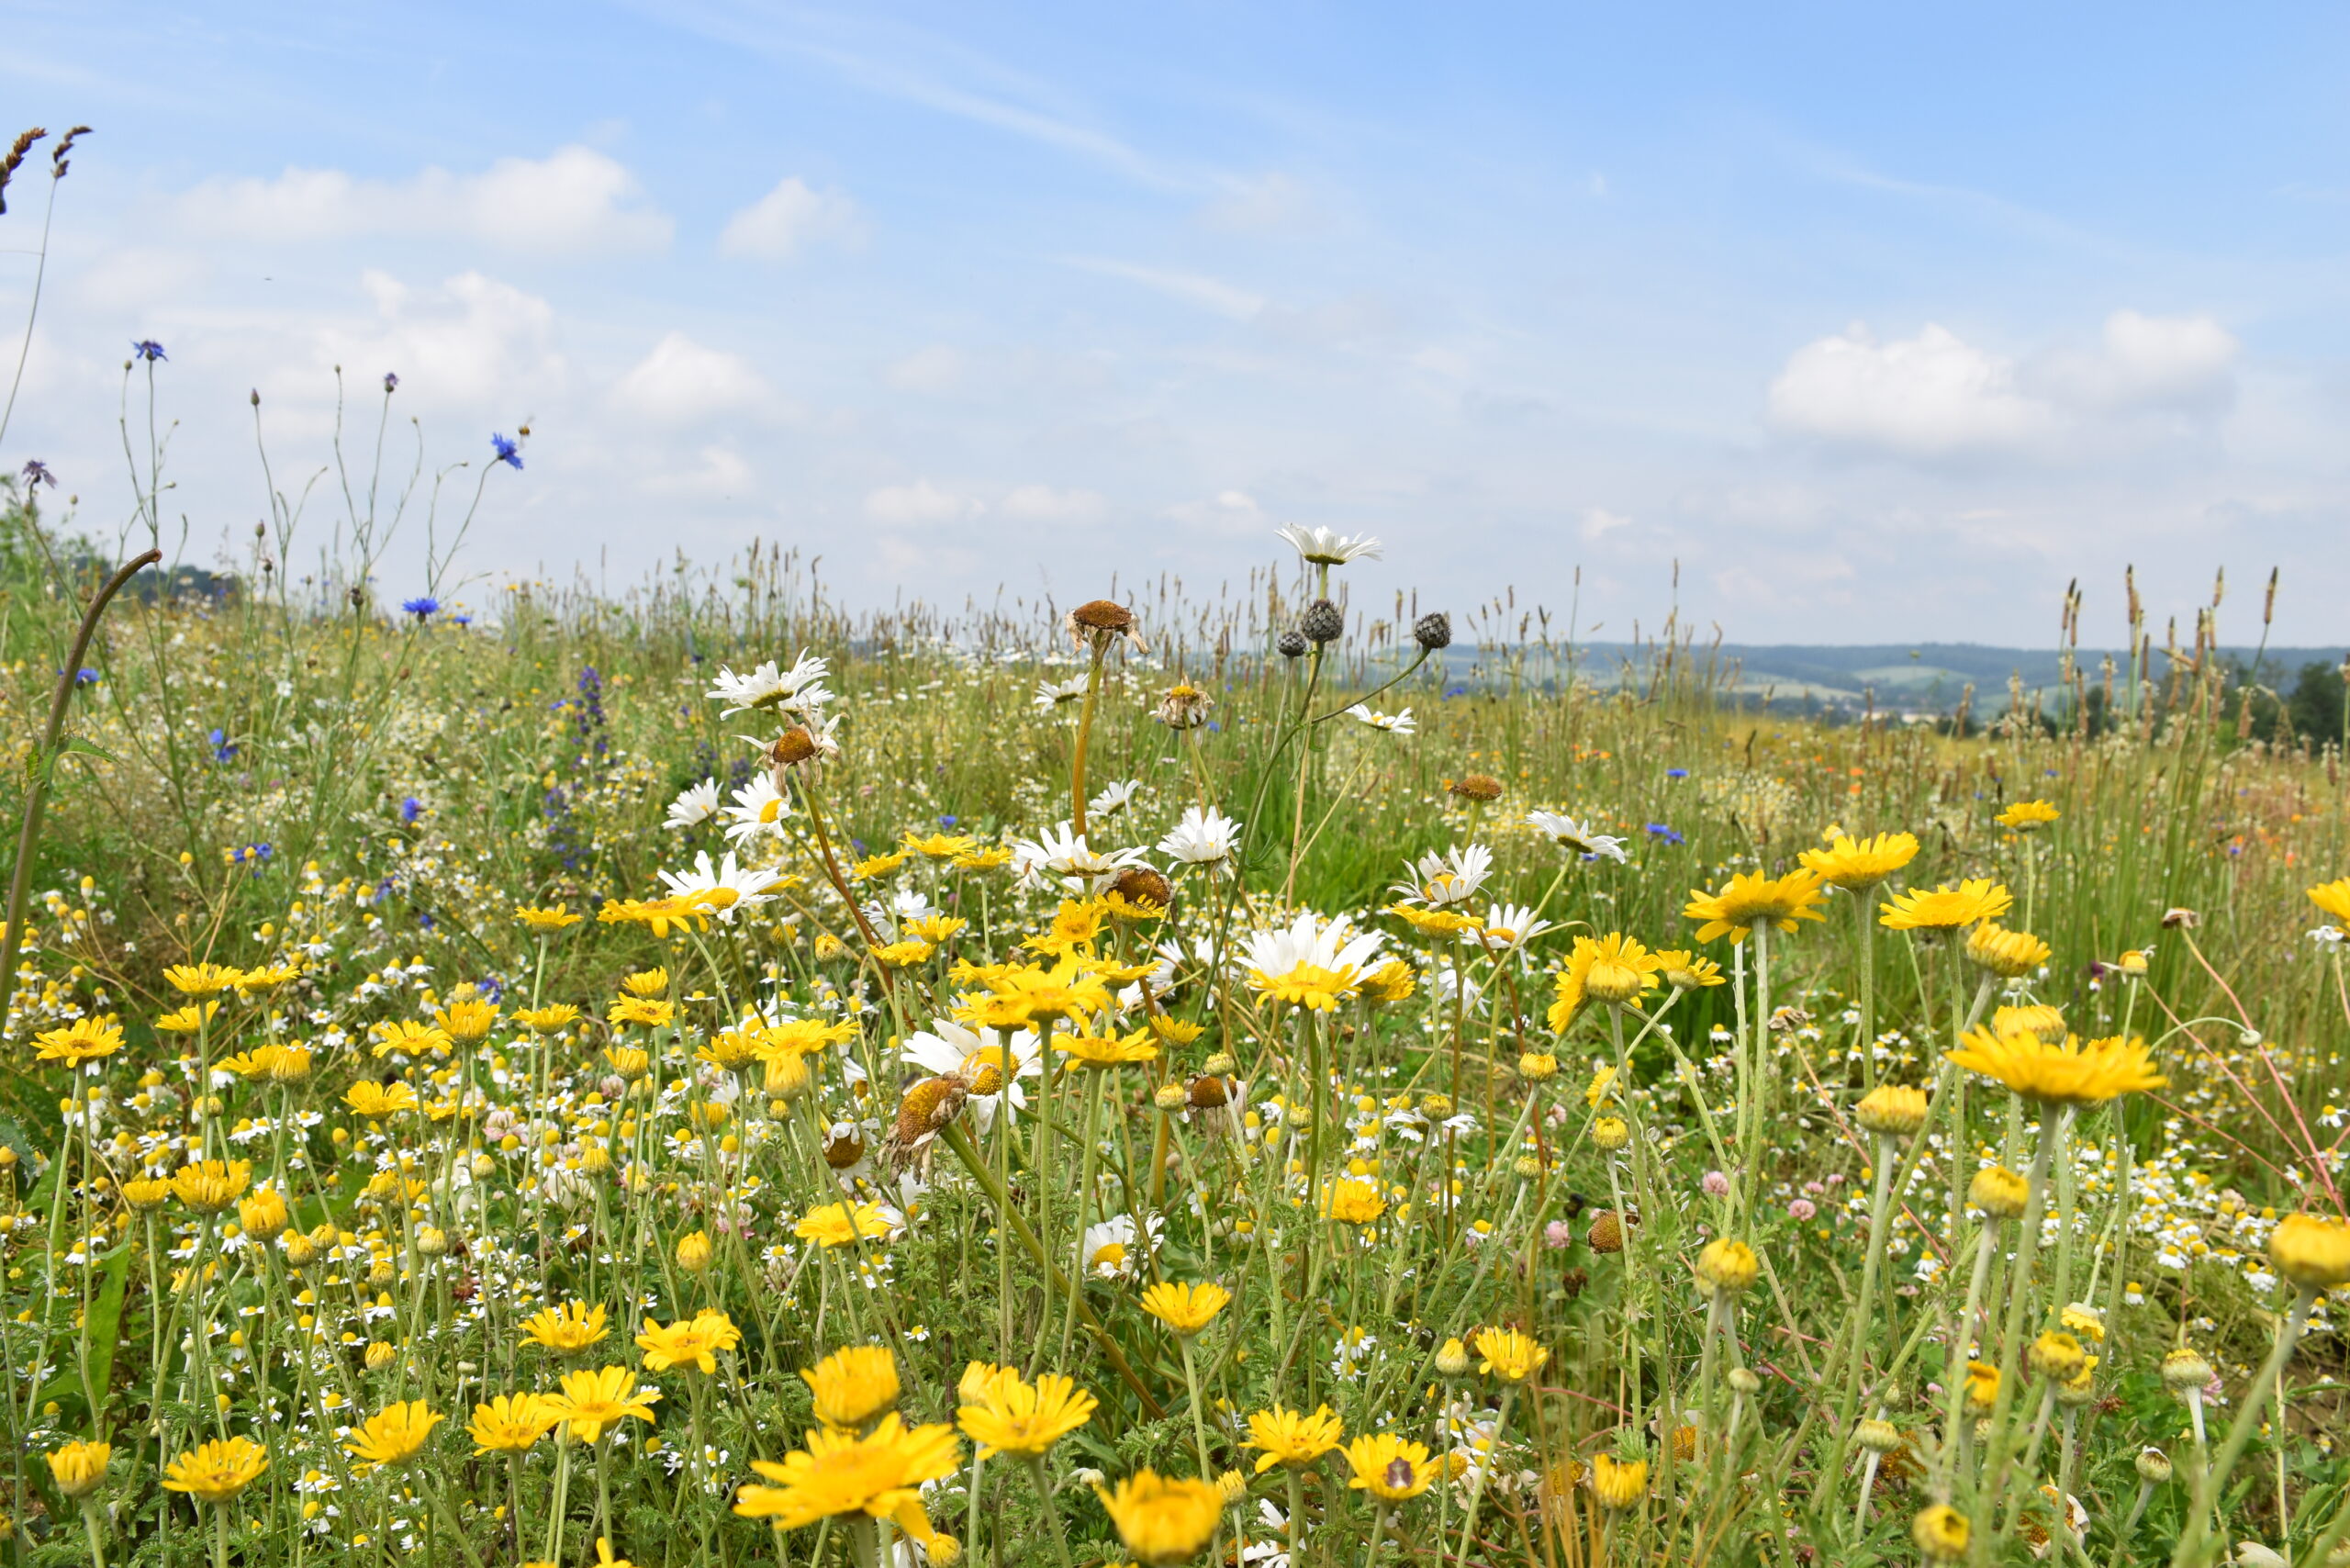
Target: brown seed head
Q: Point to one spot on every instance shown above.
(1607, 1232)
(928, 1106)
(1141, 885)
(1476, 787)
(1209, 1092)
(793, 747)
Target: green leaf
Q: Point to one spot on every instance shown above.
(104, 1319)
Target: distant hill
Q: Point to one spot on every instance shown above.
(1924, 677)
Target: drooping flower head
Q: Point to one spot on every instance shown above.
(1853, 864)
(2311, 1250)
(1185, 1308)
(2071, 1073)
(1163, 1520)
(1614, 969)
(1575, 838)
(1974, 899)
(854, 1385)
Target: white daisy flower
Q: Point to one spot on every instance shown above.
(1508, 927)
(696, 804)
(1203, 837)
(1112, 1250)
(758, 807)
(1051, 694)
(1401, 724)
(1327, 547)
(1568, 833)
(797, 689)
(1450, 878)
(1115, 797)
(724, 886)
(957, 1051)
(1061, 853)
(1336, 947)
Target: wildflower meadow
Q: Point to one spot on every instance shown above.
(510, 1074)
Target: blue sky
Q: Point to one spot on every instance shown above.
(1885, 322)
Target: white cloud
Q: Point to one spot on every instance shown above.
(1227, 511)
(787, 219)
(681, 381)
(1598, 523)
(575, 199)
(1936, 396)
(919, 504)
(1042, 503)
(474, 342)
(1930, 396)
(2161, 362)
(936, 368)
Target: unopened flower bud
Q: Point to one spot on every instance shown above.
(1433, 631)
(2186, 1369)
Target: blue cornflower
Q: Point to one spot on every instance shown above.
(1676, 773)
(36, 473)
(147, 349)
(411, 809)
(1459, 689)
(223, 748)
(508, 452)
(391, 380)
(86, 678)
(947, 821)
(1659, 830)
(460, 620)
(423, 607)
